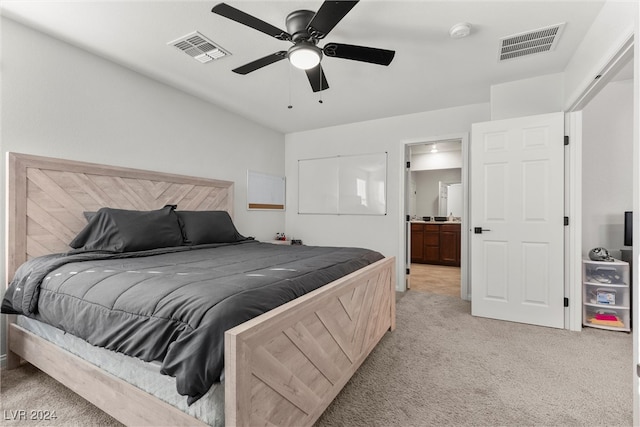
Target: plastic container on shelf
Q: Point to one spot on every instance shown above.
(606, 295)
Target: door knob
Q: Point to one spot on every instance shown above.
(479, 230)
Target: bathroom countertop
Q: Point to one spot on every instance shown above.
(418, 221)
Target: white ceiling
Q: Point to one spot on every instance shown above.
(430, 70)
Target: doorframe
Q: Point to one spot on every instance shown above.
(573, 209)
(405, 240)
(573, 128)
(573, 125)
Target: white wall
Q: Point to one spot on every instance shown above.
(543, 94)
(376, 232)
(65, 102)
(607, 165)
(439, 160)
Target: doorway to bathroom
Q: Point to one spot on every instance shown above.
(436, 203)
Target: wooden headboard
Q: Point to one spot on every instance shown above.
(46, 198)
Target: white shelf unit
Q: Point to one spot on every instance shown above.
(606, 301)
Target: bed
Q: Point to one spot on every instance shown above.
(283, 367)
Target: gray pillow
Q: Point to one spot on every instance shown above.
(121, 230)
(202, 227)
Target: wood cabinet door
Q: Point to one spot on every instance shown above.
(417, 243)
(432, 244)
(449, 243)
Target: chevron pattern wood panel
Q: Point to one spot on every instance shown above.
(47, 198)
(294, 369)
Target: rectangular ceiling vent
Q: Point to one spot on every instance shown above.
(529, 43)
(199, 47)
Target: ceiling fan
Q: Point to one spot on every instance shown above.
(305, 29)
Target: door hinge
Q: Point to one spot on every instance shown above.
(408, 271)
(566, 302)
(566, 140)
(408, 218)
(408, 165)
(566, 220)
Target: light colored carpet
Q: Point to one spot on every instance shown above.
(444, 367)
(28, 389)
(440, 367)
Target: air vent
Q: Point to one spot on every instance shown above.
(529, 43)
(199, 47)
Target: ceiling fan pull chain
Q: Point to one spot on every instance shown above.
(290, 106)
(321, 88)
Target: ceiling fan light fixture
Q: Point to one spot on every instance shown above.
(305, 29)
(304, 56)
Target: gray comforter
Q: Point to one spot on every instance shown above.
(173, 305)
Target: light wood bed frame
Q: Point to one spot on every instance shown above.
(282, 368)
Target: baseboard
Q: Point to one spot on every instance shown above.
(3, 361)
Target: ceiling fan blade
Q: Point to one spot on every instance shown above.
(328, 16)
(234, 14)
(262, 62)
(359, 53)
(317, 78)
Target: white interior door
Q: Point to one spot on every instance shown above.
(517, 219)
(454, 200)
(443, 196)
